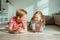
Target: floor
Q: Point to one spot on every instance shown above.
(51, 32)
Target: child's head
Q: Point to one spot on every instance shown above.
(20, 15)
(38, 16)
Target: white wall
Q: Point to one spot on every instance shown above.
(29, 5)
(10, 11)
(43, 7)
(54, 6)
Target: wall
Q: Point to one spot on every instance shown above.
(29, 5)
(43, 7)
(6, 14)
(54, 6)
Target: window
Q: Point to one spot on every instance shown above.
(0, 5)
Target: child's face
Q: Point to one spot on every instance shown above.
(37, 17)
(20, 19)
(23, 17)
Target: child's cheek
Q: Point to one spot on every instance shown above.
(39, 19)
(35, 19)
(24, 19)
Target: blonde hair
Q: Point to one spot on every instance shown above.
(18, 13)
(43, 18)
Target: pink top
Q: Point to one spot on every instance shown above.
(16, 25)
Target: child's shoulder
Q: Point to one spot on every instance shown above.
(13, 18)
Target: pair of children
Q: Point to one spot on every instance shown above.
(19, 24)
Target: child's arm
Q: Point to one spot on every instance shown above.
(40, 27)
(25, 26)
(25, 29)
(10, 28)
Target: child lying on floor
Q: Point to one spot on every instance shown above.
(18, 23)
(37, 22)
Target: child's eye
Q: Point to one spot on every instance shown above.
(35, 17)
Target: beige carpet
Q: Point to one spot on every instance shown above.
(29, 36)
(50, 32)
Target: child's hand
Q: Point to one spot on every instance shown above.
(25, 29)
(11, 31)
(38, 29)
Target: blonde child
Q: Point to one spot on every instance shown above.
(37, 22)
(18, 23)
